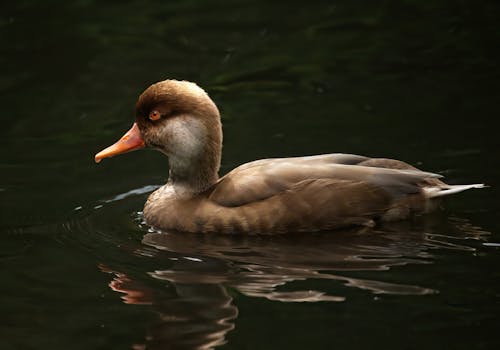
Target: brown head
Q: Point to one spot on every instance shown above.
(179, 119)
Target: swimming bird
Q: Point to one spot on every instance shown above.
(267, 196)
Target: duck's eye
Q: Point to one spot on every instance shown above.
(154, 115)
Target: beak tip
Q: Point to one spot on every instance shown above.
(98, 157)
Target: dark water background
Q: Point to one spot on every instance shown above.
(414, 80)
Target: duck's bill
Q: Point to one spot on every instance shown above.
(131, 141)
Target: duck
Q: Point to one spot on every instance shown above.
(267, 196)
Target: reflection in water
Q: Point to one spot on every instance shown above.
(191, 316)
(195, 310)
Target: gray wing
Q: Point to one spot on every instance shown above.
(265, 178)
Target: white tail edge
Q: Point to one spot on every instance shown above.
(433, 192)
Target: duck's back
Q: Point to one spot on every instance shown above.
(262, 179)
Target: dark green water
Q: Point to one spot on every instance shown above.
(413, 80)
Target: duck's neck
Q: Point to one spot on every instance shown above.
(193, 176)
(196, 173)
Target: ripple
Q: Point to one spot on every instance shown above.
(134, 192)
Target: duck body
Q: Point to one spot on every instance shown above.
(268, 196)
(301, 194)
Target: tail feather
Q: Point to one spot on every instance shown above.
(433, 192)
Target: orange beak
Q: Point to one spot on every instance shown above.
(131, 141)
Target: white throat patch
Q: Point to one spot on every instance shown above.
(186, 137)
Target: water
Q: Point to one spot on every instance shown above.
(79, 270)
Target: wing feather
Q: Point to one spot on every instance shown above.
(265, 178)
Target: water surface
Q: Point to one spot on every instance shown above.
(79, 269)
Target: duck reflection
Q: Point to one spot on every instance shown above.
(196, 311)
(259, 266)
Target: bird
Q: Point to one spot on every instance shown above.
(267, 196)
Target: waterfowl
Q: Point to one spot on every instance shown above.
(300, 194)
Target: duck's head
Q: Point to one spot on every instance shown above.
(179, 119)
